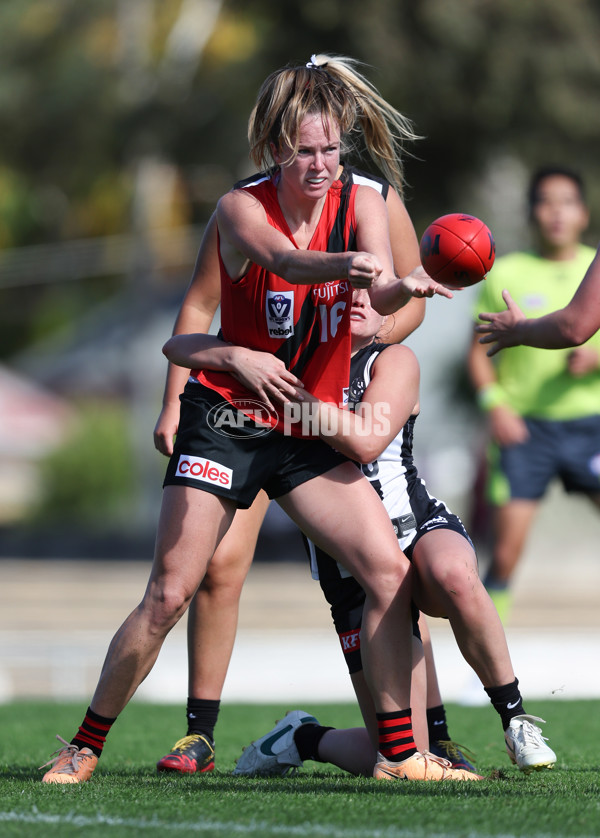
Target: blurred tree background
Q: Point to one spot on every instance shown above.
(123, 121)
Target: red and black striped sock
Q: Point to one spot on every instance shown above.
(93, 732)
(396, 741)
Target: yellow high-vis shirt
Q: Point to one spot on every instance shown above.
(536, 381)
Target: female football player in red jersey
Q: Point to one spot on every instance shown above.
(384, 382)
(213, 613)
(273, 249)
(212, 617)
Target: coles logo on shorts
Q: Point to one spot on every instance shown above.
(350, 641)
(208, 471)
(280, 313)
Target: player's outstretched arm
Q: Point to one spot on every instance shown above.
(246, 236)
(569, 326)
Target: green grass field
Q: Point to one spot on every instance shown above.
(127, 798)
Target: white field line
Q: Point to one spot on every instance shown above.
(232, 828)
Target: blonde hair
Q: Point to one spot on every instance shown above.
(332, 86)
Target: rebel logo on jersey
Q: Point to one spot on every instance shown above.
(199, 468)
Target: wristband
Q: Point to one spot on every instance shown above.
(491, 396)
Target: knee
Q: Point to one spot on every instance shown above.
(456, 583)
(389, 581)
(224, 583)
(164, 605)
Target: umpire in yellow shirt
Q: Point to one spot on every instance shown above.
(543, 408)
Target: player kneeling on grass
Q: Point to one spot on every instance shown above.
(446, 581)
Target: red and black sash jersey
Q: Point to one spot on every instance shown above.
(306, 326)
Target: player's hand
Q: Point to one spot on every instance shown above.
(302, 395)
(582, 360)
(166, 428)
(507, 427)
(363, 269)
(418, 283)
(502, 328)
(265, 375)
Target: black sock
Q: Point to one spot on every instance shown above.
(202, 715)
(93, 732)
(437, 726)
(307, 738)
(507, 701)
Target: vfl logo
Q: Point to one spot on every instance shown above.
(350, 641)
(208, 471)
(242, 418)
(280, 314)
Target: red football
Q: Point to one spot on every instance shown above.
(457, 250)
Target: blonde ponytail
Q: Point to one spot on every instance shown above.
(332, 86)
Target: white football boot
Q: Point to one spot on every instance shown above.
(275, 754)
(526, 746)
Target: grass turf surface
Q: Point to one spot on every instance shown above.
(126, 797)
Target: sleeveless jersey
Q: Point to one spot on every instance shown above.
(393, 474)
(306, 326)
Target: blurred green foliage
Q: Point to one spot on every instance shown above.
(89, 481)
(87, 89)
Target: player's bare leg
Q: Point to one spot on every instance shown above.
(340, 512)
(447, 584)
(191, 524)
(213, 614)
(512, 524)
(190, 527)
(355, 749)
(211, 630)
(434, 695)
(418, 691)
(440, 742)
